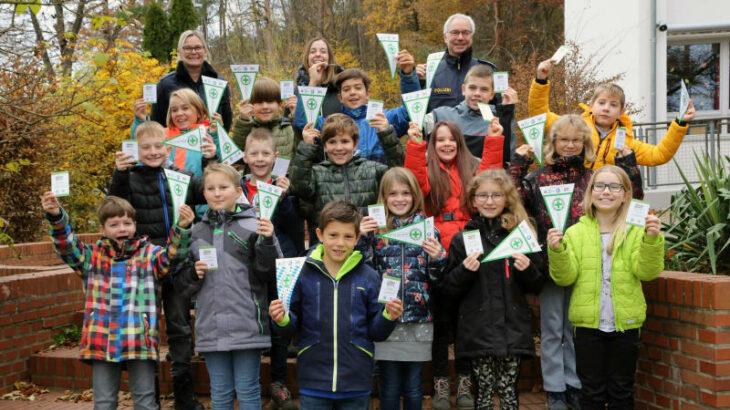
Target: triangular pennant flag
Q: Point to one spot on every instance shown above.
(178, 183)
(230, 153)
(416, 104)
(683, 100)
(413, 234)
(521, 240)
(245, 77)
(432, 62)
(390, 43)
(214, 89)
(191, 140)
(560, 53)
(312, 98)
(533, 129)
(287, 273)
(268, 198)
(557, 201)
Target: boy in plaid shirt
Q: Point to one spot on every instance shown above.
(119, 273)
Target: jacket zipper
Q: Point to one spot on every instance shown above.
(402, 280)
(163, 193)
(334, 328)
(347, 183)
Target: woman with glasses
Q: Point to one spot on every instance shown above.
(568, 148)
(192, 64)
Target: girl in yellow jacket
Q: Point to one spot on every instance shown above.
(604, 115)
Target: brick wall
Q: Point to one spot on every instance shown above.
(685, 358)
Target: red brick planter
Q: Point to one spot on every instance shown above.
(685, 358)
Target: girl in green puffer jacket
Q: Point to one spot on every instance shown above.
(605, 260)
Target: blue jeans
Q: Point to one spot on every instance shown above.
(400, 379)
(106, 378)
(319, 403)
(234, 374)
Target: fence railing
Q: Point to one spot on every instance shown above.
(710, 135)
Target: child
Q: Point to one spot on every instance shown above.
(443, 168)
(336, 316)
(605, 260)
(566, 151)
(478, 87)
(145, 186)
(120, 313)
(260, 156)
(231, 326)
(604, 116)
(344, 175)
(186, 112)
(401, 357)
(353, 86)
(495, 324)
(264, 111)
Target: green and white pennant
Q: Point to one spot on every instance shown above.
(178, 184)
(413, 234)
(432, 62)
(391, 45)
(312, 98)
(230, 153)
(268, 198)
(521, 240)
(416, 104)
(214, 89)
(287, 273)
(557, 201)
(533, 129)
(245, 77)
(191, 140)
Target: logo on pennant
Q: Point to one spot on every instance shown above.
(178, 184)
(557, 199)
(287, 273)
(312, 98)
(214, 89)
(391, 44)
(432, 62)
(246, 77)
(416, 103)
(412, 234)
(521, 240)
(268, 198)
(191, 140)
(230, 152)
(533, 129)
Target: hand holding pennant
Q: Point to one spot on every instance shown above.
(178, 184)
(191, 140)
(432, 62)
(557, 201)
(521, 240)
(533, 129)
(268, 198)
(245, 77)
(416, 104)
(230, 153)
(287, 273)
(391, 45)
(214, 89)
(312, 98)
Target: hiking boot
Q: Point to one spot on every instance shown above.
(464, 398)
(572, 398)
(182, 387)
(282, 397)
(441, 393)
(556, 401)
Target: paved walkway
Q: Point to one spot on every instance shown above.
(528, 401)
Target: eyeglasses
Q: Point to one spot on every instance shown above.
(193, 49)
(601, 186)
(483, 196)
(457, 33)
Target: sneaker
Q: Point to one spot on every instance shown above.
(464, 398)
(282, 397)
(572, 398)
(441, 393)
(556, 401)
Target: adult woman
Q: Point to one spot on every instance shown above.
(191, 65)
(319, 69)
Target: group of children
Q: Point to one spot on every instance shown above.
(342, 164)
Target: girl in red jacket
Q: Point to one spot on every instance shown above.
(443, 167)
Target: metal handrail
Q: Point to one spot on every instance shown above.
(715, 141)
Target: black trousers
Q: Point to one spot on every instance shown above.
(606, 364)
(445, 319)
(179, 332)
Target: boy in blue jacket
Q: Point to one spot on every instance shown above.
(339, 294)
(353, 90)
